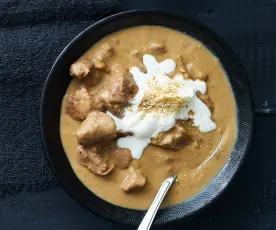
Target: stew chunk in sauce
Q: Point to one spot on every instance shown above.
(145, 103)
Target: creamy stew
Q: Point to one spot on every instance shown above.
(111, 161)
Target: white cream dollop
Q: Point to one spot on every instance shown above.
(147, 124)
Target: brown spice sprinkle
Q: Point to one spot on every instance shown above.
(204, 140)
(162, 98)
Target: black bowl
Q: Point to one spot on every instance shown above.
(59, 79)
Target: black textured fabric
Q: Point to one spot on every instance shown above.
(32, 34)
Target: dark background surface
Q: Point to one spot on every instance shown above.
(250, 201)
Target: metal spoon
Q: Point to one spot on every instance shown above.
(148, 219)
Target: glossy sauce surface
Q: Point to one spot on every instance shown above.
(193, 164)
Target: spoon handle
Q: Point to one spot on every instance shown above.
(148, 219)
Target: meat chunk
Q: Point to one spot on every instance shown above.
(122, 88)
(206, 100)
(95, 128)
(134, 180)
(175, 138)
(115, 94)
(78, 104)
(93, 161)
(81, 68)
(122, 157)
(157, 49)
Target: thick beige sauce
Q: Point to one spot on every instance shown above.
(157, 163)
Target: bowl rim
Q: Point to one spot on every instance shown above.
(229, 52)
